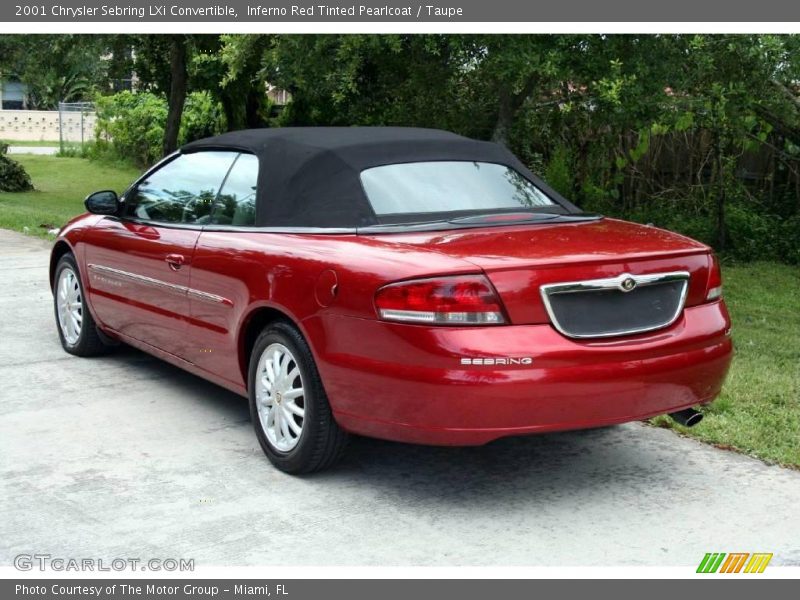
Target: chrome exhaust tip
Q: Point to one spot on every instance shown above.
(688, 417)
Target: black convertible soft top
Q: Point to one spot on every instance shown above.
(310, 176)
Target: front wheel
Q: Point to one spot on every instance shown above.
(288, 405)
(76, 328)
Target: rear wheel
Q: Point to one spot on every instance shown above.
(77, 329)
(288, 405)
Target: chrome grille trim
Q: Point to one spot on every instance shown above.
(614, 283)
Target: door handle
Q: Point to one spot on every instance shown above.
(175, 261)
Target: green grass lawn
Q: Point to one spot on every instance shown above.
(61, 185)
(757, 413)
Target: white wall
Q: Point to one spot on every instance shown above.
(42, 125)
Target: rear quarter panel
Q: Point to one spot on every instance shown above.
(291, 273)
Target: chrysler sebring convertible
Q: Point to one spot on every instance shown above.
(406, 284)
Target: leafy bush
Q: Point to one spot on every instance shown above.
(559, 171)
(756, 235)
(130, 126)
(13, 177)
(753, 234)
(202, 117)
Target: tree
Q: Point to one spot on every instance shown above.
(356, 79)
(239, 88)
(510, 71)
(729, 88)
(177, 91)
(165, 65)
(55, 68)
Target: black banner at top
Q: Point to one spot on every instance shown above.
(383, 11)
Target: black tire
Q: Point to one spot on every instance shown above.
(90, 341)
(322, 442)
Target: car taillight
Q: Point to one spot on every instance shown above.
(714, 287)
(454, 300)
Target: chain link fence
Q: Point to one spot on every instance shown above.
(75, 124)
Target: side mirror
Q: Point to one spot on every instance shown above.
(102, 203)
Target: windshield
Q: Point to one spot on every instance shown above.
(449, 186)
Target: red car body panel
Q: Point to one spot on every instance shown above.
(406, 382)
(412, 388)
(153, 313)
(520, 260)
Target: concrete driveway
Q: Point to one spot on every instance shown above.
(126, 456)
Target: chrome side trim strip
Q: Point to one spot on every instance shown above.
(181, 290)
(157, 283)
(207, 297)
(621, 283)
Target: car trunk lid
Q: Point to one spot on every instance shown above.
(520, 259)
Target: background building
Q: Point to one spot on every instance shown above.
(13, 94)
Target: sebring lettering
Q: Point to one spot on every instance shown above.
(497, 362)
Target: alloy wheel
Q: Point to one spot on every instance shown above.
(69, 303)
(280, 397)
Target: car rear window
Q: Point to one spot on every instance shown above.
(449, 186)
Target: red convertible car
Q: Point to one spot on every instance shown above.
(406, 284)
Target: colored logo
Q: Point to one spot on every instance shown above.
(734, 562)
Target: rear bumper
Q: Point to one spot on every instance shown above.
(408, 383)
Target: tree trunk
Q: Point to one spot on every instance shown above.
(230, 112)
(505, 117)
(233, 106)
(254, 101)
(509, 104)
(721, 182)
(177, 92)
